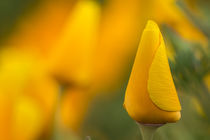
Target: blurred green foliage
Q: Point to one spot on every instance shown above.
(11, 11)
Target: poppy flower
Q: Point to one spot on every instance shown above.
(151, 96)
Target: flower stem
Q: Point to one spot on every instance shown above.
(57, 118)
(148, 130)
(88, 138)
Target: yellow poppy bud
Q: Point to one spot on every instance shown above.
(151, 96)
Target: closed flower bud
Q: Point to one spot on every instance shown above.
(151, 97)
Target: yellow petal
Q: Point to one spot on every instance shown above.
(26, 93)
(167, 12)
(72, 55)
(5, 116)
(160, 83)
(38, 29)
(27, 120)
(119, 37)
(74, 107)
(137, 101)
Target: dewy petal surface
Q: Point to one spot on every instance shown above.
(160, 82)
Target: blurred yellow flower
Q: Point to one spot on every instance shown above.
(74, 106)
(167, 12)
(121, 24)
(40, 27)
(79, 60)
(27, 119)
(27, 95)
(71, 58)
(151, 96)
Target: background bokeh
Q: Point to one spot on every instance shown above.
(64, 67)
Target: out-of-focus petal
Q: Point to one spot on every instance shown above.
(74, 108)
(27, 93)
(121, 25)
(71, 59)
(40, 27)
(167, 12)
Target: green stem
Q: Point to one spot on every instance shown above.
(88, 138)
(148, 130)
(57, 118)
